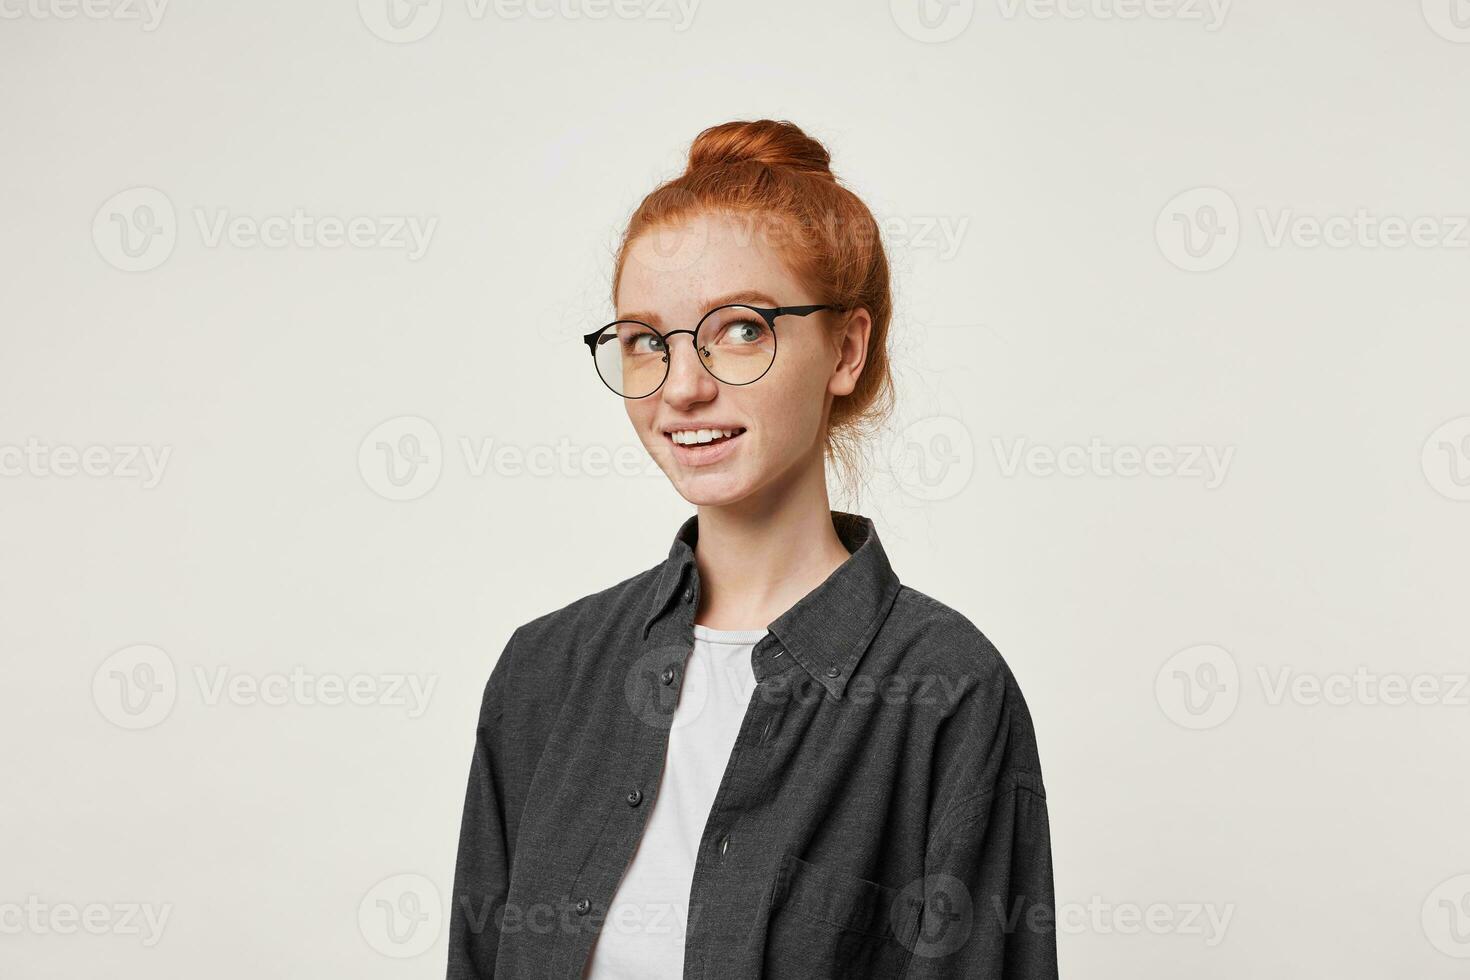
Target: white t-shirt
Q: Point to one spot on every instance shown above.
(642, 937)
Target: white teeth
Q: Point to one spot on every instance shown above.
(693, 437)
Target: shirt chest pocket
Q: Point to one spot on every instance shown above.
(826, 924)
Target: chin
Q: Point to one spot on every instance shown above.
(712, 491)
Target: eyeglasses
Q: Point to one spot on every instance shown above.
(736, 344)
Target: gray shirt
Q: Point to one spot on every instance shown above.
(882, 813)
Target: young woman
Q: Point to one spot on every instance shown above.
(763, 756)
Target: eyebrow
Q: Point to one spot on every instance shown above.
(739, 296)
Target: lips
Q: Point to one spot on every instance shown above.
(716, 446)
(703, 435)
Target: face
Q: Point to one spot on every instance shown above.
(779, 419)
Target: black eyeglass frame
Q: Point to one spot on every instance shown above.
(769, 314)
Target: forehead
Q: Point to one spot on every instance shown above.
(682, 270)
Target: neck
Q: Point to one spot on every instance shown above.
(756, 559)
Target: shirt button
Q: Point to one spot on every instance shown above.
(635, 796)
(724, 844)
(583, 906)
(832, 671)
(688, 595)
(667, 676)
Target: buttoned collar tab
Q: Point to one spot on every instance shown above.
(830, 628)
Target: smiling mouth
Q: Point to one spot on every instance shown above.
(703, 437)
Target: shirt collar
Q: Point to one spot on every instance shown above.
(830, 628)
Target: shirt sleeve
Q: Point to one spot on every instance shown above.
(482, 867)
(989, 908)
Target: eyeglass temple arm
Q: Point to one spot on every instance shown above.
(802, 310)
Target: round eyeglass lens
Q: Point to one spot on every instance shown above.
(631, 358)
(736, 344)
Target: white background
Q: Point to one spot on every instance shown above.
(1036, 169)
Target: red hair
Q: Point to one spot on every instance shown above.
(770, 174)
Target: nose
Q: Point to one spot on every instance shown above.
(688, 381)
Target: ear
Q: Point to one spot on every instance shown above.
(851, 350)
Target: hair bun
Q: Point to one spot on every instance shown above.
(769, 142)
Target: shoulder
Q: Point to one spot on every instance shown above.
(554, 640)
(618, 604)
(929, 635)
(979, 709)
